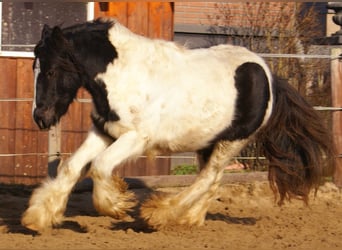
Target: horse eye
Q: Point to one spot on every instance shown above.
(50, 73)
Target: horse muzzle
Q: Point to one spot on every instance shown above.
(44, 118)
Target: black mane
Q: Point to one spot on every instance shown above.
(85, 43)
(98, 25)
(91, 45)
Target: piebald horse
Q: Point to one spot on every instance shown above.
(152, 97)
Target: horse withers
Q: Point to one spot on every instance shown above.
(155, 96)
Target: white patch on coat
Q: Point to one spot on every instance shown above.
(36, 72)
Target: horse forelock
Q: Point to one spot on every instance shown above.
(50, 53)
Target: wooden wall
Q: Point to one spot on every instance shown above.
(18, 133)
(23, 148)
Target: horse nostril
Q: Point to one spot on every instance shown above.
(39, 118)
(38, 114)
(45, 117)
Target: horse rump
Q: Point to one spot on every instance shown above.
(296, 143)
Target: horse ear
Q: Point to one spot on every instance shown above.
(46, 31)
(54, 32)
(57, 33)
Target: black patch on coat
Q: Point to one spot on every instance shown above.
(100, 98)
(205, 153)
(91, 45)
(253, 95)
(102, 112)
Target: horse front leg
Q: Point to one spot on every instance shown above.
(110, 195)
(48, 202)
(190, 205)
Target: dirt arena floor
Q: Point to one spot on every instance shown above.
(243, 216)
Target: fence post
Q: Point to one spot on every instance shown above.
(54, 148)
(336, 92)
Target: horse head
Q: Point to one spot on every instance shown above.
(57, 77)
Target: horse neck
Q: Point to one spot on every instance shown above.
(93, 52)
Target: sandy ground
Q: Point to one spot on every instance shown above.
(243, 216)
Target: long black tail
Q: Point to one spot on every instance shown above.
(296, 143)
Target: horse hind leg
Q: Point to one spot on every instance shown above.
(190, 206)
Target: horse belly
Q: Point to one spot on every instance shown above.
(194, 124)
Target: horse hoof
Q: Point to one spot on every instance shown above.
(35, 219)
(164, 210)
(158, 211)
(32, 226)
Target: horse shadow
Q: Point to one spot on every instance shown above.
(14, 201)
(140, 226)
(80, 203)
(232, 220)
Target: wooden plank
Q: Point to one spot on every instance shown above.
(158, 166)
(137, 17)
(7, 111)
(42, 158)
(152, 19)
(161, 20)
(18, 133)
(71, 128)
(86, 111)
(336, 91)
(25, 129)
(136, 168)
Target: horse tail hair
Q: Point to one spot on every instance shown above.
(298, 146)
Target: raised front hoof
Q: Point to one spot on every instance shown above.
(112, 198)
(38, 219)
(163, 210)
